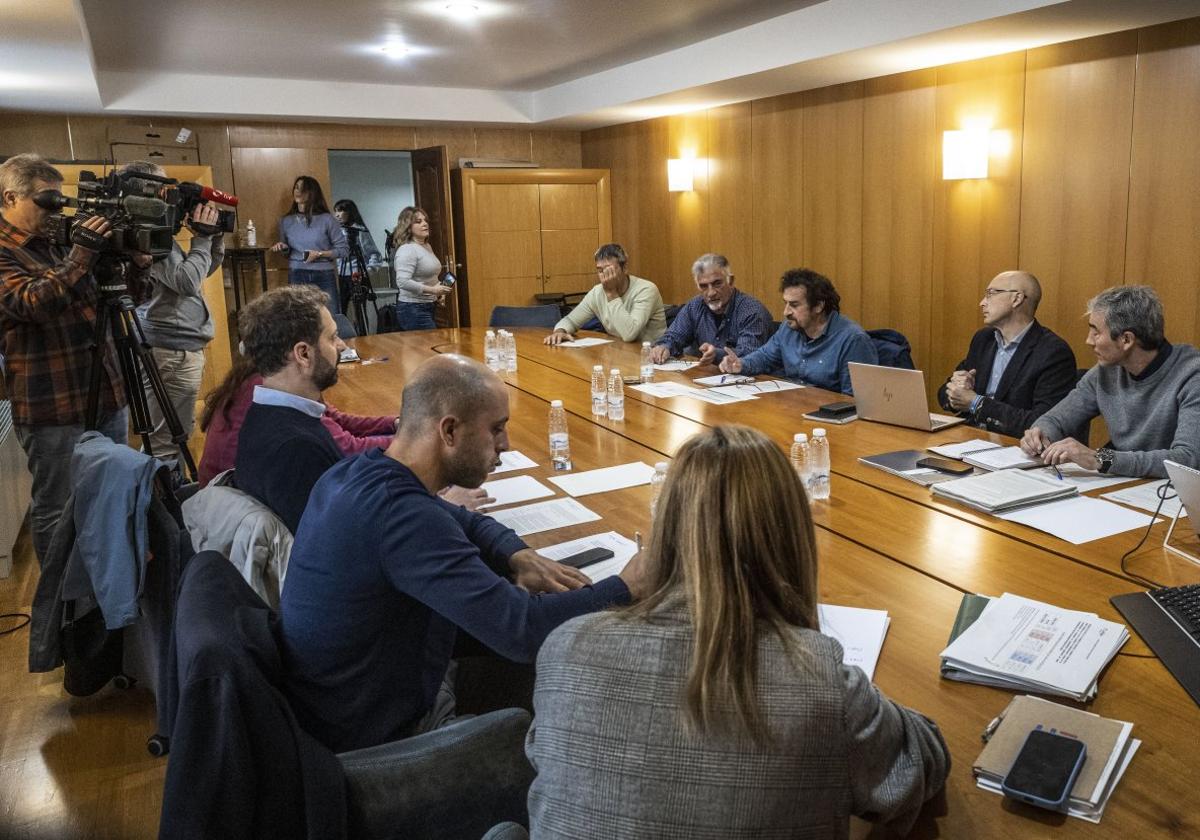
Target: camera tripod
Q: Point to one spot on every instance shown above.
(116, 316)
(361, 290)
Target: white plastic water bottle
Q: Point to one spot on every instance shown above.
(491, 351)
(818, 460)
(251, 234)
(800, 458)
(647, 363)
(510, 351)
(599, 392)
(616, 395)
(560, 440)
(656, 485)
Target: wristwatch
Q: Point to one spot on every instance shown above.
(1104, 456)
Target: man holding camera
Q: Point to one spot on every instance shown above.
(175, 318)
(48, 304)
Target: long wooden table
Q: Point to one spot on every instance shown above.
(884, 544)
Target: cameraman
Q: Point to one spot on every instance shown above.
(176, 319)
(347, 215)
(48, 302)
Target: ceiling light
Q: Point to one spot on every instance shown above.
(395, 49)
(464, 11)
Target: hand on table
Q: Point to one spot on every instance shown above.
(708, 354)
(731, 363)
(659, 353)
(557, 337)
(470, 499)
(536, 573)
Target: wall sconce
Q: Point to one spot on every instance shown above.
(965, 154)
(679, 175)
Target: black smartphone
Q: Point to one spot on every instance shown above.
(587, 558)
(1045, 769)
(838, 409)
(306, 253)
(946, 466)
(449, 280)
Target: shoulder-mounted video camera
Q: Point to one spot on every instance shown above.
(145, 211)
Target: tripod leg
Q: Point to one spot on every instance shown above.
(92, 415)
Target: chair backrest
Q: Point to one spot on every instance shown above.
(525, 316)
(893, 348)
(671, 310)
(344, 327)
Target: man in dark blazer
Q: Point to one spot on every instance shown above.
(1015, 369)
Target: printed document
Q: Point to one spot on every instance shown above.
(1145, 496)
(513, 460)
(723, 379)
(860, 633)
(1083, 479)
(586, 342)
(676, 365)
(544, 516)
(1002, 458)
(606, 479)
(509, 491)
(966, 447)
(1079, 519)
(623, 550)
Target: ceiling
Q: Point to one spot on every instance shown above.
(570, 63)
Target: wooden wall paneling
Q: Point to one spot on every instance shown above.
(833, 173)
(45, 134)
(557, 149)
(567, 206)
(567, 264)
(213, 140)
(646, 237)
(777, 179)
(89, 136)
(899, 150)
(263, 180)
(323, 136)
(502, 207)
(1164, 202)
(1075, 175)
(976, 222)
(507, 143)
(687, 136)
(458, 140)
(508, 267)
(731, 199)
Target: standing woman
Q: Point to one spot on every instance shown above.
(313, 240)
(417, 270)
(347, 215)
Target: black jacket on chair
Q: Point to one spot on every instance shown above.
(1041, 373)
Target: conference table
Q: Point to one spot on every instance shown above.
(884, 543)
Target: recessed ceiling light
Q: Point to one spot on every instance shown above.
(395, 49)
(465, 11)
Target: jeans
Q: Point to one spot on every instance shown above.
(324, 280)
(49, 450)
(415, 316)
(181, 371)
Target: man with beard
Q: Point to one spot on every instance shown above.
(384, 572)
(283, 448)
(719, 317)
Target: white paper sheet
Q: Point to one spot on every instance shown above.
(966, 447)
(544, 516)
(860, 633)
(1145, 496)
(1083, 479)
(665, 390)
(622, 548)
(509, 491)
(605, 479)
(676, 365)
(1078, 519)
(1004, 458)
(586, 342)
(513, 460)
(723, 379)
(725, 394)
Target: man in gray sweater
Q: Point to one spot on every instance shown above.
(1146, 389)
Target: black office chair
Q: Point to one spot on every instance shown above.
(344, 327)
(893, 348)
(525, 316)
(671, 310)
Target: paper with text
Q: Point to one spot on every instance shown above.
(586, 342)
(513, 460)
(622, 548)
(860, 633)
(1145, 496)
(544, 516)
(509, 491)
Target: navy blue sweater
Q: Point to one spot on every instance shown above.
(381, 574)
(280, 455)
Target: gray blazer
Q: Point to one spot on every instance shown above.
(614, 757)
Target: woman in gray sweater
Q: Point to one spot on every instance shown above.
(715, 706)
(312, 239)
(417, 270)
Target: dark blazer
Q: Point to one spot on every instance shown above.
(1040, 374)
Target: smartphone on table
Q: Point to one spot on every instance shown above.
(587, 558)
(1045, 770)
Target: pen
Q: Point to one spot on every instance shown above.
(637, 538)
(991, 728)
(1057, 472)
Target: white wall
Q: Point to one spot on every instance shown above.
(380, 183)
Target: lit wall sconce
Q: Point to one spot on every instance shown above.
(965, 154)
(679, 174)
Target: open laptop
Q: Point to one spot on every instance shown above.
(896, 396)
(1168, 619)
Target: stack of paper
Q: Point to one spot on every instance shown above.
(904, 464)
(1026, 645)
(860, 633)
(1109, 750)
(1003, 490)
(958, 451)
(1001, 458)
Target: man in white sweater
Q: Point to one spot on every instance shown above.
(628, 307)
(1146, 389)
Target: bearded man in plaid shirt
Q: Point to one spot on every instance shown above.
(48, 305)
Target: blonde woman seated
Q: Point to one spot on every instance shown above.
(713, 708)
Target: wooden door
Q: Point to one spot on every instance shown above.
(570, 236)
(431, 190)
(508, 269)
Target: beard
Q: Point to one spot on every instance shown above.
(325, 374)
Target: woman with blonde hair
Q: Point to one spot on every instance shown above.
(417, 270)
(715, 707)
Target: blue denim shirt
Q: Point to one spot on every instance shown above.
(744, 326)
(817, 361)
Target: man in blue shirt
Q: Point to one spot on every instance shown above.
(815, 342)
(719, 317)
(383, 572)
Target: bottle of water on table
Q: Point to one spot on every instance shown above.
(599, 392)
(818, 460)
(560, 440)
(647, 365)
(616, 395)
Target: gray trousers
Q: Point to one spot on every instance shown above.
(48, 450)
(181, 371)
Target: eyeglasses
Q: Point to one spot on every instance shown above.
(987, 293)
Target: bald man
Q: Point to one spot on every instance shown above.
(384, 572)
(1015, 369)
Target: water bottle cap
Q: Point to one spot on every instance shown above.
(661, 466)
(556, 403)
(645, 343)
(598, 367)
(800, 437)
(492, 333)
(615, 372)
(818, 433)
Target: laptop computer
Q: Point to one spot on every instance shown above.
(1168, 619)
(895, 396)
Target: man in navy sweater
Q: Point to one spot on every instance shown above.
(282, 447)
